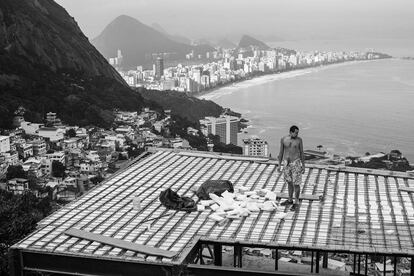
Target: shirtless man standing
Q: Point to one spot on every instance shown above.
(292, 159)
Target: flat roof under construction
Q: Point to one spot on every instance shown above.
(361, 211)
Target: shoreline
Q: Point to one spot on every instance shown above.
(269, 77)
(224, 91)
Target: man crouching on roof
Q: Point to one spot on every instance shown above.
(292, 159)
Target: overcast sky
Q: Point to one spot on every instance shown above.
(289, 19)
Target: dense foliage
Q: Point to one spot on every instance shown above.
(15, 172)
(47, 64)
(179, 126)
(58, 169)
(18, 215)
(70, 133)
(225, 148)
(75, 100)
(180, 104)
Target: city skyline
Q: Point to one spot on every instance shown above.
(298, 19)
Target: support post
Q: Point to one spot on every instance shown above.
(395, 266)
(234, 256)
(277, 259)
(325, 260)
(317, 262)
(366, 264)
(312, 262)
(385, 265)
(200, 254)
(237, 257)
(240, 255)
(359, 264)
(218, 259)
(354, 265)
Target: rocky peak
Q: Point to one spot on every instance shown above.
(41, 32)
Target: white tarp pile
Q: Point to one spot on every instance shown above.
(240, 204)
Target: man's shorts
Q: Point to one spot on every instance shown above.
(292, 172)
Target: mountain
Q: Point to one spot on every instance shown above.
(158, 28)
(176, 37)
(247, 41)
(180, 39)
(40, 32)
(138, 42)
(203, 41)
(226, 44)
(47, 64)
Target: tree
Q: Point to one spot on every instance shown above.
(117, 146)
(227, 148)
(178, 127)
(58, 169)
(31, 176)
(147, 124)
(121, 156)
(15, 172)
(134, 151)
(18, 215)
(401, 165)
(71, 132)
(97, 179)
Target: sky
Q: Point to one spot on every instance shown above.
(266, 19)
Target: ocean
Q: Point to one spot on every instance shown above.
(349, 109)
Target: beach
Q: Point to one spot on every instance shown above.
(230, 88)
(349, 108)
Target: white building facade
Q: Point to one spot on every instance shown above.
(4, 144)
(255, 147)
